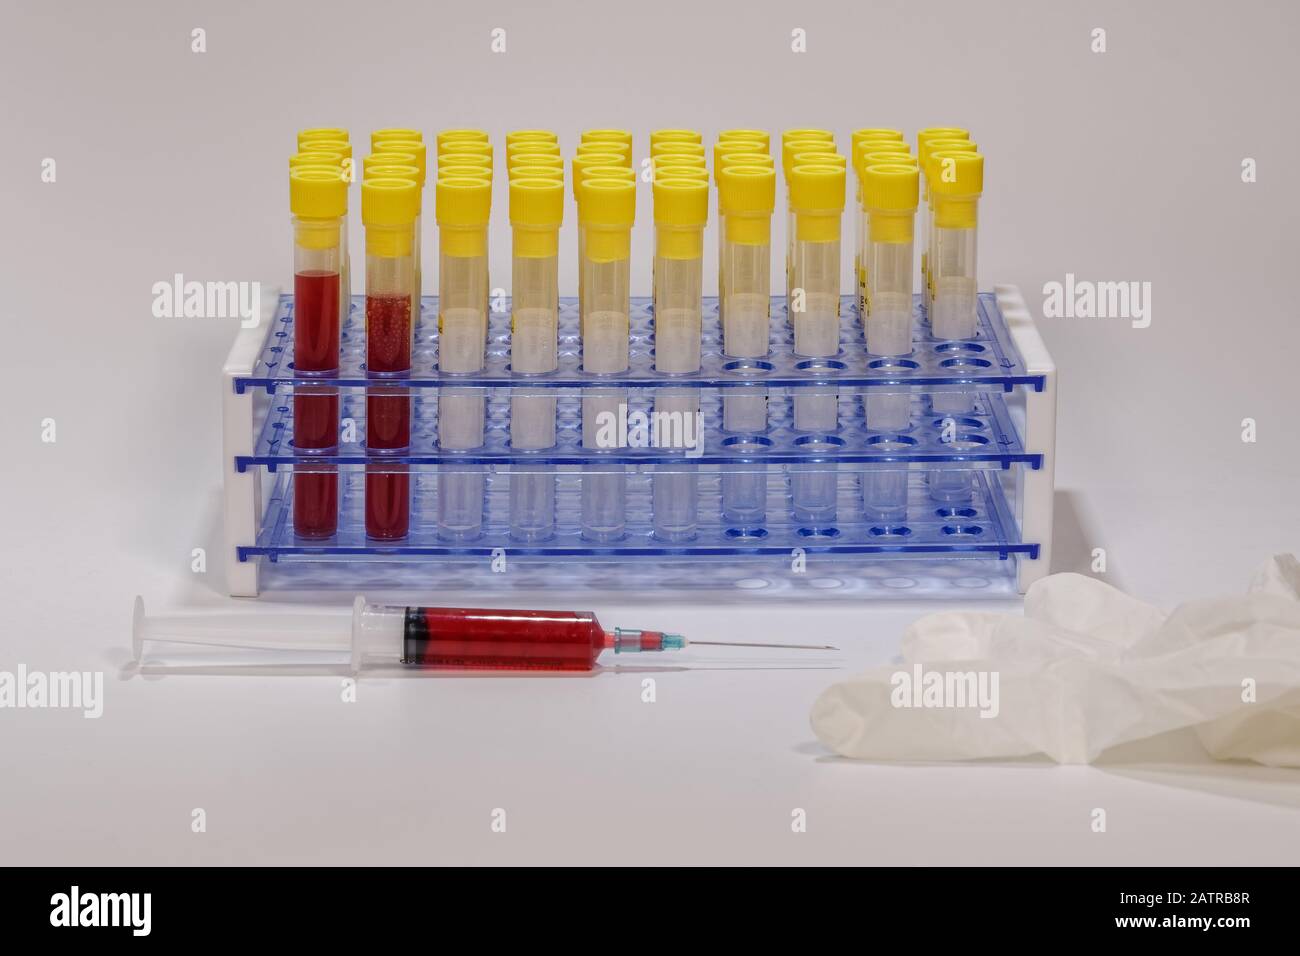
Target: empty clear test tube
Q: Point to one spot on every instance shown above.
(413, 147)
(923, 139)
(389, 207)
(318, 203)
(956, 182)
(536, 210)
(608, 209)
(463, 208)
(681, 208)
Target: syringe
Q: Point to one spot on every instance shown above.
(384, 637)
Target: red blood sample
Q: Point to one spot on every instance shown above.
(388, 501)
(315, 410)
(388, 415)
(483, 638)
(388, 333)
(316, 321)
(315, 500)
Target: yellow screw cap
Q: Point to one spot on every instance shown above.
(821, 135)
(791, 148)
(818, 187)
(342, 147)
(395, 132)
(747, 196)
(674, 136)
(755, 135)
(531, 136)
(747, 189)
(680, 201)
(333, 134)
(608, 208)
(876, 132)
(608, 202)
(938, 132)
(536, 210)
(681, 210)
(675, 147)
(316, 193)
(389, 201)
(956, 180)
(321, 159)
(893, 187)
(463, 170)
(620, 136)
(462, 201)
(409, 147)
(457, 135)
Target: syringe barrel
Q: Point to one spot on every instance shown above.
(497, 639)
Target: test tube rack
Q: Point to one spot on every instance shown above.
(981, 412)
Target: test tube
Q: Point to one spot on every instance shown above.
(463, 206)
(608, 209)
(889, 197)
(415, 149)
(794, 141)
(747, 198)
(871, 152)
(318, 201)
(889, 194)
(861, 142)
(536, 210)
(956, 182)
(817, 196)
(681, 209)
(730, 144)
(927, 231)
(586, 166)
(342, 149)
(388, 211)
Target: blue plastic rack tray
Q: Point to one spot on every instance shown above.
(983, 535)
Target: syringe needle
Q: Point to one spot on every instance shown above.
(791, 647)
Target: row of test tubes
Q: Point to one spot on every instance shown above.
(604, 184)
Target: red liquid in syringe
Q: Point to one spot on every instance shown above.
(315, 408)
(388, 415)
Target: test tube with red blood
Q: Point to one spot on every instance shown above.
(318, 200)
(388, 210)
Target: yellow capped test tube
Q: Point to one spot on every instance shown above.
(389, 207)
(463, 206)
(794, 142)
(681, 209)
(318, 201)
(747, 199)
(817, 198)
(339, 151)
(927, 225)
(870, 152)
(608, 212)
(890, 194)
(956, 184)
(536, 211)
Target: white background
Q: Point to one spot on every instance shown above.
(1120, 166)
